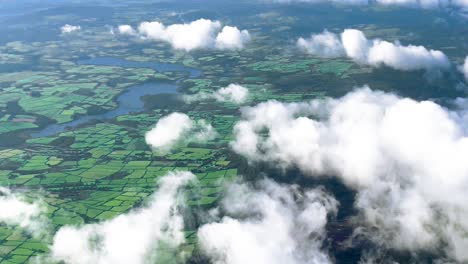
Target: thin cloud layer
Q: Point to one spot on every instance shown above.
(376, 52)
(199, 34)
(415, 3)
(350, 2)
(69, 28)
(406, 160)
(175, 128)
(233, 93)
(430, 4)
(269, 224)
(464, 69)
(16, 211)
(129, 238)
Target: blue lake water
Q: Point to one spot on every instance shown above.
(130, 100)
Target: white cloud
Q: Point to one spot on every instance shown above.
(126, 30)
(232, 38)
(406, 160)
(69, 28)
(349, 2)
(177, 127)
(325, 44)
(271, 224)
(417, 3)
(355, 44)
(127, 238)
(461, 3)
(202, 131)
(405, 58)
(234, 93)
(464, 69)
(379, 52)
(16, 211)
(374, 52)
(199, 34)
(169, 130)
(407, 3)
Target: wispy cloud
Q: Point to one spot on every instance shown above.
(464, 69)
(133, 237)
(69, 28)
(233, 93)
(15, 210)
(268, 224)
(430, 4)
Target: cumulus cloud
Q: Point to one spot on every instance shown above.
(232, 38)
(325, 44)
(355, 44)
(126, 30)
(16, 211)
(69, 28)
(199, 34)
(233, 93)
(377, 52)
(406, 160)
(131, 237)
(176, 128)
(269, 224)
(169, 130)
(405, 58)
